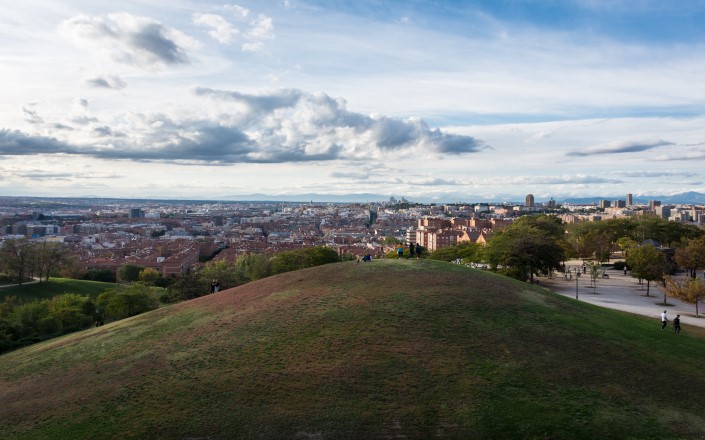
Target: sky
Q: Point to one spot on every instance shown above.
(484, 100)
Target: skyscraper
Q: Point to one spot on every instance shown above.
(529, 200)
(629, 200)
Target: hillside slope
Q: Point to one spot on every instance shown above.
(392, 348)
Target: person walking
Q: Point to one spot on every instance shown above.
(400, 251)
(419, 249)
(664, 320)
(677, 324)
(411, 250)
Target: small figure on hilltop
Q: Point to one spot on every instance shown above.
(367, 257)
(677, 324)
(400, 250)
(664, 320)
(411, 250)
(215, 286)
(419, 249)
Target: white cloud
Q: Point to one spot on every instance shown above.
(130, 39)
(221, 30)
(259, 34)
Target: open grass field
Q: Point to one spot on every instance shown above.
(388, 349)
(53, 287)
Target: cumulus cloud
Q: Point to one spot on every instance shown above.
(106, 82)
(260, 33)
(620, 147)
(16, 143)
(221, 29)
(130, 39)
(306, 125)
(281, 126)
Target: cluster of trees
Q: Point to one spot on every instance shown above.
(246, 268)
(691, 258)
(26, 323)
(539, 245)
(22, 260)
(23, 323)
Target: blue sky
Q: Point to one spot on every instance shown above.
(432, 100)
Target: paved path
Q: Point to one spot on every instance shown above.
(34, 281)
(622, 292)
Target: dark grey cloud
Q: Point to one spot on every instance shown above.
(152, 40)
(129, 39)
(296, 120)
(16, 143)
(282, 126)
(258, 104)
(620, 147)
(456, 144)
(106, 82)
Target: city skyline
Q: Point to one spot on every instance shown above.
(440, 101)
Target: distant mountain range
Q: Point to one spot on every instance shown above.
(690, 197)
(683, 198)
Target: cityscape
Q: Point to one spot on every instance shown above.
(175, 237)
(312, 219)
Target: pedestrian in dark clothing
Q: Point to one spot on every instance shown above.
(419, 249)
(411, 250)
(677, 324)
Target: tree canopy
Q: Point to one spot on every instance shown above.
(648, 263)
(530, 246)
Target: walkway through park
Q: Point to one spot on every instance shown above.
(622, 292)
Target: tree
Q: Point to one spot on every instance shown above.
(626, 244)
(149, 275)
(129, 272)
(17, 258)
(525, 249)
(303, 258)
(461, 251)
(225, 272)
(49, 256)
(647, 263)
(690, 290)
(692, 256)
(595, 272)
(186, 287)
(125, 301)
(254, 266)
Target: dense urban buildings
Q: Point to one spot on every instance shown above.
(174, 236)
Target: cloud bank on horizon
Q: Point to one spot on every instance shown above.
(434, 100)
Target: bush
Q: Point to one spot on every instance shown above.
(303, 258)
(123, 302)
(105, 275)
(619, 265)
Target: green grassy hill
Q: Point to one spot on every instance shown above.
(388, 349)
(53, 287)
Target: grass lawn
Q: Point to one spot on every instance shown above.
(388, 349)
(53, 287)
